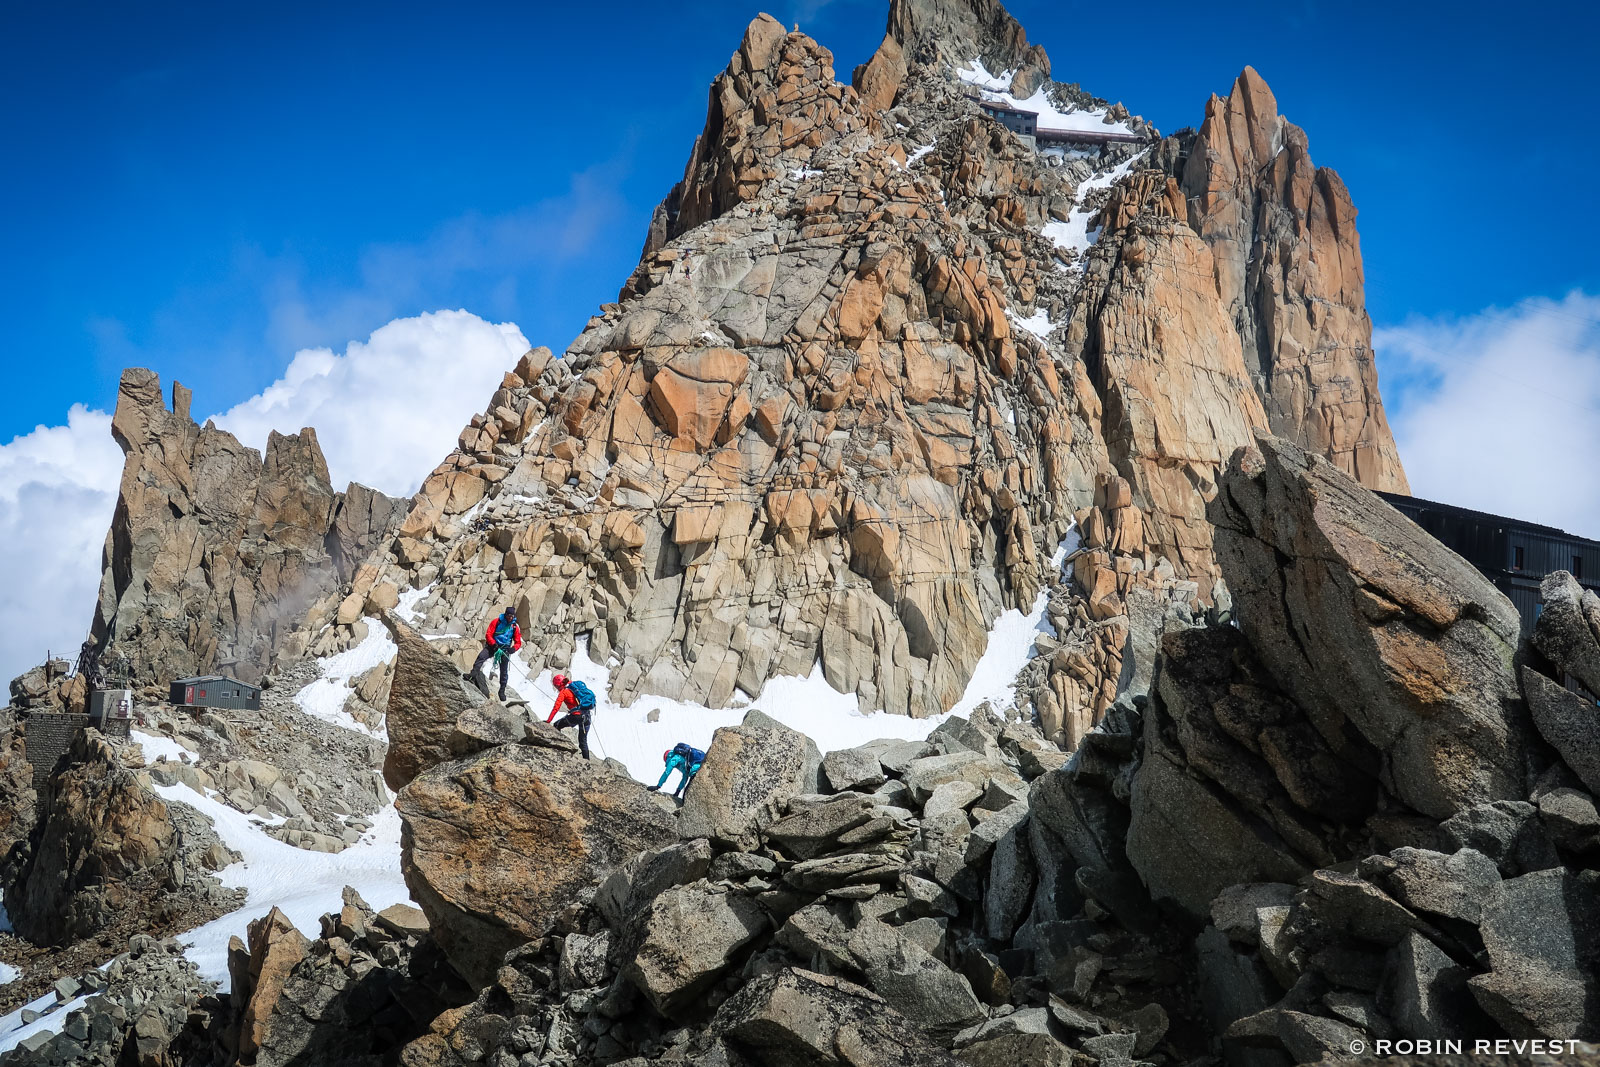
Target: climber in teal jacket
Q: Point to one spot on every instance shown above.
(684, 759)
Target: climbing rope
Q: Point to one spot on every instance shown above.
(594, 735)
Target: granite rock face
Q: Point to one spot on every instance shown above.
(426, 698)
(1435, 704)
(216, 550)
(1287, 256)
(495, 846)
(879, 361)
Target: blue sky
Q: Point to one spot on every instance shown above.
(208, 188)
(282, 205)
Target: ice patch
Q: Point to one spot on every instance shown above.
(324, 698)
(919, 153)
(1010, 648)
(1051, 119)
(975, 73)
(802, 173)
(1074, 235)
(13, 1031)
(832, 719)
(155, 747)
(1069, 544)
(1038, 323)
(407, 608)
(8, 973)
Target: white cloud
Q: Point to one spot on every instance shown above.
(390, 407)
(58, 488)
(386, 411)
(1500, 411)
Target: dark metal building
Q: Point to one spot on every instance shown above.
(1513, 554)
(1014, 119)
(216, 691)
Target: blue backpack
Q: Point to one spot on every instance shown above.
(693, 755)
(584, 695)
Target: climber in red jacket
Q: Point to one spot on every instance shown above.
(571, 693)
(502, 638)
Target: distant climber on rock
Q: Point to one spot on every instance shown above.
(502, 638)
(573, 694)
(683, 758)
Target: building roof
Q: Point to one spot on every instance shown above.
(1469, 513)
(212, 678)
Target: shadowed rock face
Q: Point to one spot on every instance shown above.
(495, 846)
(1387, 639)
(216, 551)
(426, 698)
(105, 840)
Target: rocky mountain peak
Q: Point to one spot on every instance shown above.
(1288, 260)
(963, 30)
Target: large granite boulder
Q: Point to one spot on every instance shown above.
(685, 939)
(749, 771)
(496, 845)
(1542, 935)
(796, 1018)
(106, 841)
(1399, 651)
(426, 698)
(1568, 630)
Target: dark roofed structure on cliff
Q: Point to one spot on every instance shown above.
(1514, 554)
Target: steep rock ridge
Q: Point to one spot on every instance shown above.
(216, 551)
(1288, 265)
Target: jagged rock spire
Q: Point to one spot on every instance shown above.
(1282, 232)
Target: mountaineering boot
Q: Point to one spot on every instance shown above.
(502, 696)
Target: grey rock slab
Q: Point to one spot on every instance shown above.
(817, 935)
(1568, 629)
(750, 772)
(1236, 910)
(915, 984)
(852, 768)
(813, 829)
(1454, 886)
(1424, 992)
(1507, 831)
(1542, 936)
(1571, 818)
(928, 773)
(1569, 722)
(795, 1017)
(831, 872)
(898, 756)
(951, 796)
(686, 939)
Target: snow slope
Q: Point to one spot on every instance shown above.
(324, 698)
(1074, 234)
(1051, 117)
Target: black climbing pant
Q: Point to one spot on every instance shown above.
(581, 721)
(505, 666)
